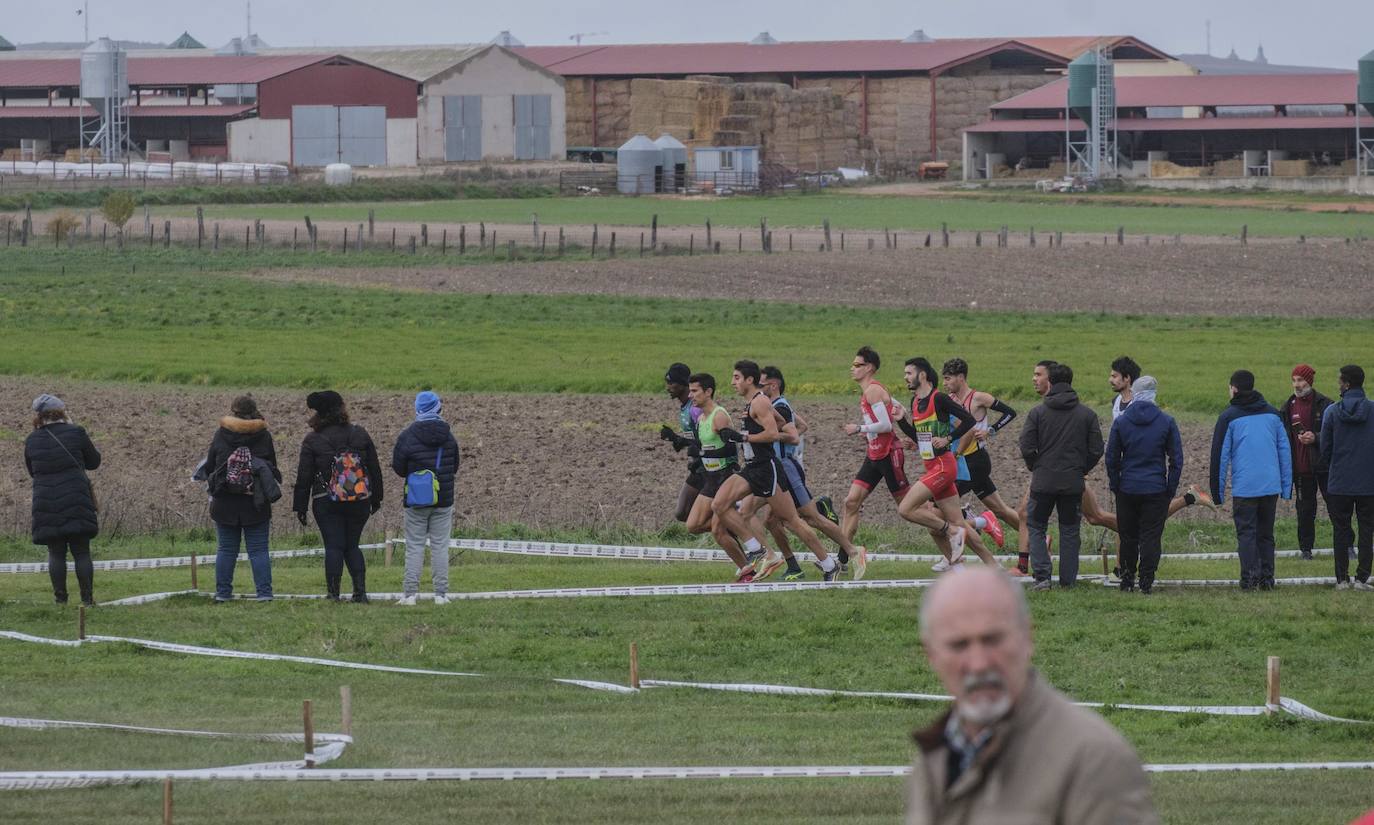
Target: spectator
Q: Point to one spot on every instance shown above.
(989, 759)
(1144, 464)
(1302, 415)
(1347, 446)
(57, 455)
(1249, 444)
(242, 515)
(340, 477)
(1060, 442)
(426, 455)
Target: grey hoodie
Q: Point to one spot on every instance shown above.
(1061, 442)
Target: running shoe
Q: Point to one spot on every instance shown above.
(794, 575)
(746, 576)
(1202, 498)
(940, 566)
(956, 546)
(826, 508)
(860, 562)
(753, 557)
(770, 565)
(828, 575)
(994, 528)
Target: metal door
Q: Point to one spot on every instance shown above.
(362, 135)
(533, 121)
(462, 127)
(314, 135)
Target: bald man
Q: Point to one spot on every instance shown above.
(1012, 749)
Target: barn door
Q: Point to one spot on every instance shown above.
(314, 135)
(362, 135)
(462, 127)
(533, 121)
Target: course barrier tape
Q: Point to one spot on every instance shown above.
(54, 780)
(552, 549)
(57, 724)
(32, 780)
(1290, 706)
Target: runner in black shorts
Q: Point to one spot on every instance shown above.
(718, 465)
(762, 477)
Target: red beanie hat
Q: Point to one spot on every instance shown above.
(1304, 372)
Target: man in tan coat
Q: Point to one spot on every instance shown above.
(1012, 750)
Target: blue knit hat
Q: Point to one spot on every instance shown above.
(428, 403)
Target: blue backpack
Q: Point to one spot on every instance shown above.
(422, 486)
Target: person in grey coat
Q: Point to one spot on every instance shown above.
(1060, 443)
(57, 455)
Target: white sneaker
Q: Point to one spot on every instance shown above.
(940, 566)
(1342, 585)
(407, 601)
(438, 599)
(1359, 585)
(956, 547)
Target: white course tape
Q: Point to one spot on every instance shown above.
(645, 553)
(206, 558)
(56, 724)
(51, 780)
(24, 780)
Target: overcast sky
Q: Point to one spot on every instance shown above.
(1331, 33)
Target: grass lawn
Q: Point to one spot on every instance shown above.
(845, 212)
(1176, 647)
(174, 325)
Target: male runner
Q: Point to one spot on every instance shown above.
(675, 382)
(762, 475)
(790, 455)
(971, 448)
(718, 464)
(927, 424)
(883, 460)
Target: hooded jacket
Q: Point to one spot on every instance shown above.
(1320, 403)
(1348, 444)
(1060, 442)
(57, 457)
(417, 448)
(1047, 761)
(317, 462)
(238, 509)
(1144, 452)
(1250, 443)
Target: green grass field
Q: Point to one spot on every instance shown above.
(845, 211)
(172, 326)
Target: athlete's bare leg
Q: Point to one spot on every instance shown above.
(699, 517)
(940, 520)
(1002, 510)
(735, 489)
(1094, 514)
(812, 516)
(786, 510)
(686, 497)
(849, 511)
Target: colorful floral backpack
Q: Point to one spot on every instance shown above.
(348, 477)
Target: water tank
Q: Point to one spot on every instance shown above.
(1082, 83)
(636, 162)
(104, 72)
(1365, 95)
(673, 163)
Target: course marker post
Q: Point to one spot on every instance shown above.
(386, 552)
(1103, 547)
(167, 801)
(81, 622)
(634, 665)
(1272, 695)
(308, 719)
(346, 709)
(195, 576)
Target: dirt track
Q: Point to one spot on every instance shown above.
(574, 460)
(1290, 280)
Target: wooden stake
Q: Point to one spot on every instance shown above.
(1272, 695)
(346, 709)
(195, 576)
(634, 665)
(386, 552)
(308, 718)
(167, 801)
(1105, 568)
(81, 622)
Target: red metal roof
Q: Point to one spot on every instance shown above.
(159, 71)
(49, 112)
(1205, 90)
(1178, 124)
(782, 58)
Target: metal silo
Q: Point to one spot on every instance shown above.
(1365, 93)
(1092, 99)
(636, 162)
(1364, 99)
(105, 86)
(673, 163)
(1082, 82)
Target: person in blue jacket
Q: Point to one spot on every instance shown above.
(1250, 446)
(1347, 447)
(1144, 465)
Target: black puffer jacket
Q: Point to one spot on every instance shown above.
(62, 504)
(417, 448)
(238, 509)
(1060, 442)
(317, 460)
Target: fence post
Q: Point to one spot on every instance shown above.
(543, 243)
(653, 231)
(944, 234)
(412, 244)
(371, 223)
(1121, 236)
(345, 241)
(1244, 234)
(562, 242)
(825, 224)
(1273, 696)
(534, 226)
(443, 242)
(510, 250)
(200, 227)
(216, 247)
(166, 234)
(691, 244)
(346, 710)
(482, 238)
(247, 230)
(612, 247)
(740, 247)
(167, 800)
(393, 239)
(708, 233)
(424, 235)
(462, 239)
(358, 239)
(308, 720)
(594, 233)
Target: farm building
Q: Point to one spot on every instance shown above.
(476, 102)
(812, 104)
(297, 109)
(1232, 126)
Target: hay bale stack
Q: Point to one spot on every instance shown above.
(1291, 169)
(1166, 169)
(1229, 168)
(613, 101)
(714, 79)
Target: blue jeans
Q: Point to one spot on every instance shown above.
(255, 541)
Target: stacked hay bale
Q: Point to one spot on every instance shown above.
(663, 106)
(579, 111)
(966, 94)
(612, 112)
(1166, 169)
(899, 119)
(1234, 168)
(1291, 169)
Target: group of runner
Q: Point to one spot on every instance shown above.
(733, 473)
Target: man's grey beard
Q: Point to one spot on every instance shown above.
(1303, 393)
(987, 711)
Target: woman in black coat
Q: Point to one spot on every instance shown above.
(242, 515)
(57, 454)
(341, 514)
